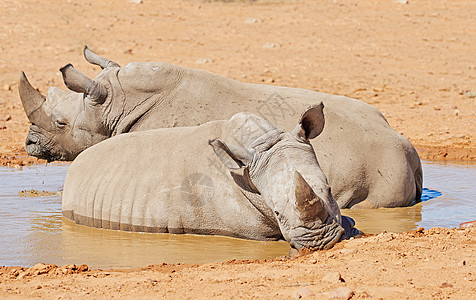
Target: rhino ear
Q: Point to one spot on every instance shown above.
(243, 180)
(233, 157)
(95, 59)
(311, 123)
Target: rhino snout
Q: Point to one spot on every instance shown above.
(31, 139)
(32, 144)
(318, 238)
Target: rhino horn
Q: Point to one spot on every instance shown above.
(97, 60)
(309, 205)
(80, 83)
(31, 98)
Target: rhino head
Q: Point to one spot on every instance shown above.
(283, 169)
(65, 123)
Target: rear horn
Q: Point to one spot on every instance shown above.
(80, 83)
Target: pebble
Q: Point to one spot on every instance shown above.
(252, 20)
(402, 1)
(468, 224)
(271, 45)
(293, 253)
(470, 94)
(446, 285)
(7, 87)
(342, 292)
(202, 61)
(333, 277)
(37, 269)
(136, 1)
(302, 292)
(8, 118)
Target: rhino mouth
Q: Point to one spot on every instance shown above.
(37, 147)
(320, 238)
(37, 151)
(34, 151)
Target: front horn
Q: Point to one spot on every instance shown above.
(97, 60)
(80, 83)
(31, 99)
(309, 205)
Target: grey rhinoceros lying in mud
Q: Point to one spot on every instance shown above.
(367, 163)
(265, 184)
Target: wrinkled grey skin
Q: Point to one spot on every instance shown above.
(264, 185)
(367, 163)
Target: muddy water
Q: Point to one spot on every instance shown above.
(457, 184)
(34, 231)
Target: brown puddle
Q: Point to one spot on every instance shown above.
(34, 230)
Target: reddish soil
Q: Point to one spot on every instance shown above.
(415, 62)
(430, 264)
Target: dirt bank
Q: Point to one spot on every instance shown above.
(430, 264)
(415, 62)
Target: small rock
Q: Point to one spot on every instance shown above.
(402, 1)
(136, 1)
(271, 45)
(293, 253)
(468, 224)
(342, 292)
(456, 112)
(8, 118)
(302, 292)
(14, 273)
(462, 263)
(202, 61)
(39, 269)
(333, 277)
(252, 20)
(83, 268)
(7, 87)
(470, 94)
(446, 285)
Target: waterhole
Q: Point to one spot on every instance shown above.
(34, 231)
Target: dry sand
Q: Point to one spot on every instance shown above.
(415, 62)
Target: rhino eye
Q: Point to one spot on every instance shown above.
(60, 123)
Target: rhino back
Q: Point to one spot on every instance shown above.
(164, 180)
(359, 152)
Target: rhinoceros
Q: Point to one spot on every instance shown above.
(254, 182)
(367, 163)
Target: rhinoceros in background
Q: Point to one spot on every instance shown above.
(266, 184)
(367, 163)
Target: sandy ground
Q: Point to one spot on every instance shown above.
(430, 264)
(415, 62)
